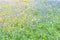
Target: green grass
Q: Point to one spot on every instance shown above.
(30, 24)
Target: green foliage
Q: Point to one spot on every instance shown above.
(38, 23)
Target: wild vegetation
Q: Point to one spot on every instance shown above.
(30, 20)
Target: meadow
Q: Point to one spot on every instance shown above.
(30, 20)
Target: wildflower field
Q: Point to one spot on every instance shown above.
(29, 20)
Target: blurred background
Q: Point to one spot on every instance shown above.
(29, 19)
